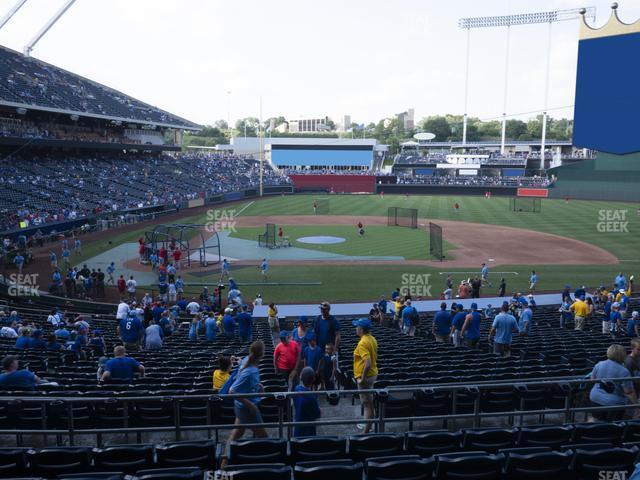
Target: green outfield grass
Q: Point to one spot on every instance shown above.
(575, 219)
(412, 244)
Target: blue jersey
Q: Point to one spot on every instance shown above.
(20, 379)
(245, 322)
(312, 356)
(122, 368)
(229, 325)
(442, 322)
(210, 329)
(473, 330)
(131, 329)
(458, 320)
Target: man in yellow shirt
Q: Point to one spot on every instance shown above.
(365, 367)
(580, 310)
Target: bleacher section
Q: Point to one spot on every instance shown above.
(65, 186)
(30, 82)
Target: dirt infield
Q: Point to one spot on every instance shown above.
(474, 243)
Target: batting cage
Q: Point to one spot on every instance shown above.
(322, 206)
(268, 238)
(435, 241)
(403, 217)
(525, 204)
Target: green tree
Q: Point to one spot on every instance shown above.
(247, 126)
(439, 126)
(515, 129)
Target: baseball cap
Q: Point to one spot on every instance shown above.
(474, 306)
(460, 306)
(303, 319)
(621, 290)
(325, 306)
(362, 322)
(616, 305)
(310, 336)
(284, 334)
(634, 314)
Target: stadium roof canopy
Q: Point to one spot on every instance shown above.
(29, 83)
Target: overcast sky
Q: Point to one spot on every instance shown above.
(366, 58)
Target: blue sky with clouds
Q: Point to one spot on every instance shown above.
(366, 58)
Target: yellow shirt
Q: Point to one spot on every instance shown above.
(220, 377)
(272, 312)
(398, 305)
(580, 308)
(367, 348)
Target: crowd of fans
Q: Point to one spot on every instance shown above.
(30, 81)
(48, 189)
(469, 181)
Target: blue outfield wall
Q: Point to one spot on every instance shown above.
(323, 158)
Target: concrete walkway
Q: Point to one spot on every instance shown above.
(362, 309)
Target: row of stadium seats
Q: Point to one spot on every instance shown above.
(539, 452)
(57, 187)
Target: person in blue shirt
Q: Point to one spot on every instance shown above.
(111, 269)
(620, 281)
(383, 308)
(471, 328)
(37, 342)
(306, 406)
(24, 340)
(264, 269)
(504, 326)
(566, 315)
(326, 327)
(226, 268)
(210, 328)
(157, 311)
(248, 381)
(97, 343)
(312, 355)
(442, 324)
(121, 367)
(484, 275)
(19, 261)
(131, 331)
(623, 391)
(409, 319)
(615, 319)
(395, 294)
(531, 301)
(53, 345)
(580, 292)
(54, 259)
(245, 324)
(14, 379)
(329, 367)
(633, 325)
(228, 323)
(525, 321)
(62, 334)
(301, 332)
(457, 323)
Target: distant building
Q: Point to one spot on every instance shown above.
(304, 125)
(406, 119)
(346, 123)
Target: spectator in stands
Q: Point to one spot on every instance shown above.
(245, 324)
(632, 362)
(195, 327)
(97, 343)
(470, 331)
(121, 367)
(365, 366)
(301, 332)
(329, 367)
(248, 381)
(210, 327)
(504, 326)
(633, 324)
(326, 327)
(228, 323)
(580, 311)
(24, 340)
(312, 355)
(286, 358)
(193, 306)
(410, 319)
(14, 379)
(19, 262)
(222, 373)
(442, 324)
(611, 393)
(53, 345)
(153, 336)
(37, 342)
(306, 406)
(131, 331)
(457, 321)
(526, 320)
(615, 319)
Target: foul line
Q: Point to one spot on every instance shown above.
(244, 208)
(475, 271)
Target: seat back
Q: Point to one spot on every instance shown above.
(317, 448)
(258, 451)
(362, 447)
(400, 468)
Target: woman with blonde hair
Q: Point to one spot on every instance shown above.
(610, 393)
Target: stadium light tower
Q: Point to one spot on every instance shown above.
(515, 20)
(29, 47)
(12, 12)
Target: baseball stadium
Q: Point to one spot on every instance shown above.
(449, 298)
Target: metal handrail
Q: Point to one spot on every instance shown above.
(284, 402)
